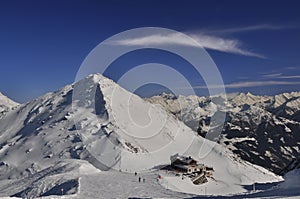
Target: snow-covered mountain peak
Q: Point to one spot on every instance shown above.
(6, 101)
(6, 105)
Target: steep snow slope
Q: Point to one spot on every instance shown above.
(6, 104)
(261, 129)
(44, 139)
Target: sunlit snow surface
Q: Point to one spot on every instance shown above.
(43, 150)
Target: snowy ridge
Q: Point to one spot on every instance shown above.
(6, 104)
(51, 143)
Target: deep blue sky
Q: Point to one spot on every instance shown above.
(43, 43)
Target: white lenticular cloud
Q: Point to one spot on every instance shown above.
(206, 41)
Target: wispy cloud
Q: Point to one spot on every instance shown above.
(272, 75)
(292, 68)
(246, 84)
(206, 41)
(281, 76)
(259, 84)
(214, 39)
(259, 27)
(224, 45)
(289, 77)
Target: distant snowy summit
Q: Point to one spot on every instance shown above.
(6, 104)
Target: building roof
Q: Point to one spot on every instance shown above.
(181, 158)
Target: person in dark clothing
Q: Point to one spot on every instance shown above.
(135, 173)
(139, 179)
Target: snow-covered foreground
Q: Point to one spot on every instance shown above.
(114, 184)
(124, 185)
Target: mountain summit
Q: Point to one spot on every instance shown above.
(6, 104)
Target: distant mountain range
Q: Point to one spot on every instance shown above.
(264, 130)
